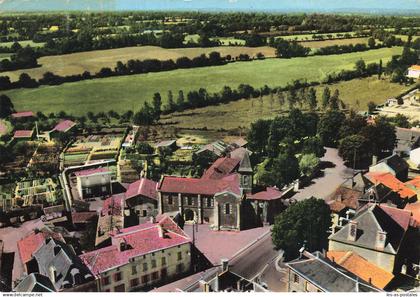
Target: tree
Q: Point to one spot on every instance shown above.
(354, 149)
(326, 95)
(311, 99)
(308, 164)
(6, 106)
(258, 136)
(281, 170)
(329, 127)
(157, 105)
(371, 42)
(380, 69)
(312, 145)
(146, 115)
(291, 98)
(360, 67)
(304, 223)
(171, 102)
(382, 134)
(335, 100)
(401, 121)
(144, 148)
(180, 101)
(371, 107)
(289, 49)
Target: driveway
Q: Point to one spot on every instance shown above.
(333, 176)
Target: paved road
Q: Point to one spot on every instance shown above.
(324, 186)
(252, 260)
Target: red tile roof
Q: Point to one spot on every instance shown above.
(91, 171)
(31, 243)
(172, 184)
(113, 205)
(23, 133)
(22, 114)
(359, 266)
(144, 187)
(271, 193)
(400, 216)
(83, 217)
(391, 182)
(64, 126)
(414, 208)
(220, 168)
(142, 239)
(344, 197)
(414, 183)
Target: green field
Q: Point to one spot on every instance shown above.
(5, 56)
(129, 92)
(355, 93)
(306, 37)
(93, 61)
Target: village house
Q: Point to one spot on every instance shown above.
(414, 160)
(148, 254)
(267, 204)
(23, 135)
(378, 234)
(343, 202)
(141, 196)
(383, 187)
(22, 114)
(313, 272)
(394, 164)
(57, 261)
(63, 126)
(94, 182)
(362, 268)
(166, 146)
(414, 72)
(111, 218)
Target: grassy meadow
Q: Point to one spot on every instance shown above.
(124, 93)
(324, 43)
(355, 93)
(93, 61)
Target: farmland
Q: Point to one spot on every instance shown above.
(23, 43)
(93, 61)
(324, 43)
(355, 93)
(129, 92)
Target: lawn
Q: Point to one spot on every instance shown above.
(356, 93)
(124, 93)
(93, 61)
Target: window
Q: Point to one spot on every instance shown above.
(153, 263)
(295, 278)
(145, 279)
(189, 201)
(133, 270)
(155, 275)
(179, 256)
(163, 273)
(144, 213)
(103, 189)
(227, 208)
(117, 277)
(179, 268)
(105, 281)
(170, 200)
(134, 282)
(209, 202)
(88, 191)
(163, 261)
(144, 266)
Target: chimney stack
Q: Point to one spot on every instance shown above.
(160, 230)
(352, 235)
(204, 286)
(374, 160)
(225, 265)
(380, 240)
(152, 220)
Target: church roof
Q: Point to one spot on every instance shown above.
(245, 164)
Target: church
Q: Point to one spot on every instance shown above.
(216, 198)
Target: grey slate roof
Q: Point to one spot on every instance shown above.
(327, 275)
(397, 163)
(35, 282)
(370, 220)
(70, 271)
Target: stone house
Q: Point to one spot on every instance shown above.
(95, 182)
(149, 254)
(141, 196)
(267, 204)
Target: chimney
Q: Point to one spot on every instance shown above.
(160, 230)
(152, 220)
(340, 197)
(352, 235)
(380, 240)
(374, 160)
(204, 286)
(52, 274)
(225, 265)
